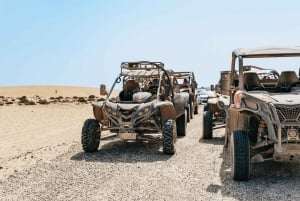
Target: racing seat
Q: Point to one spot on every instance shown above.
(252, 82)
(130, 88)
(286, 80)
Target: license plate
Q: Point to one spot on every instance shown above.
(127, 136)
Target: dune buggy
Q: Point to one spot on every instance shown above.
(263, 121)
(186, 82)
(146, 106)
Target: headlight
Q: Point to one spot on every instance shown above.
(221, 104)
(110, 110)
(250, 104)
(144, 111)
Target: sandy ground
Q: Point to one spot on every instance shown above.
(33, 133)
(42, 159)
(48, 91)
(29, 134)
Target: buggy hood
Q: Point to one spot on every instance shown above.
(292, 98)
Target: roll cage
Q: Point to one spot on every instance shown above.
(144, 72)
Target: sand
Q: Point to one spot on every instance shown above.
(37, 133)
(48, 91)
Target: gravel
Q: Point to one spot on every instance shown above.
(140, 171)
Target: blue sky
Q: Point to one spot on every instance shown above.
(82, 43)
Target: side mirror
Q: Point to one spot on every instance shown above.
(103, 91)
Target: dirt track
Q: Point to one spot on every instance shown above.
(138, 171)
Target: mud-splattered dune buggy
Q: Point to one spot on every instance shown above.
(263, 120)
(186, 82)
(146, 106)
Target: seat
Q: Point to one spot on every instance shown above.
(131, 84)
(251, 81)
(129, 89)
(286, 80)
(153, 86)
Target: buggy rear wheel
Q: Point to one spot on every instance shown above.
(191, 110)
(206, 107)
(207, 125)
(181, 123)
(196, 109)
(188, 116)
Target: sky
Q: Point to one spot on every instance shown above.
(82, 43)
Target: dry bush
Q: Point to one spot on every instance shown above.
(43, 102)
(53, 101)
(30, 102)
(82, 100)
(91, 98)
(23, 99)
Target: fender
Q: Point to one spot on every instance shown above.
(167, 111)
(181, 102)
(97, 110)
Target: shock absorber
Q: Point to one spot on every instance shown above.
(261, 130)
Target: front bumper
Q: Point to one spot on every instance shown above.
(287, 153)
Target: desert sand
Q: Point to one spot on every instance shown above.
(42, 159)
(48, 91)
(38, 133)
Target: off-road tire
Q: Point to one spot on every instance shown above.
(181, 123)
(168, 137)
(206, 107)
(90, 135)
(240, 156)
(207, 125)
(191, 110)
(188, 110)
(196, 109)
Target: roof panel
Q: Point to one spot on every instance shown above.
(141, 73)
(272, 51)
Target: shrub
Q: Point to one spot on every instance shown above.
(43, 102)
(82, 100)
(91, 98)
(30, 103)
(53, 101)
(23, 99)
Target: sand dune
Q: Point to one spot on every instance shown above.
(49, 94)
(48, 91)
